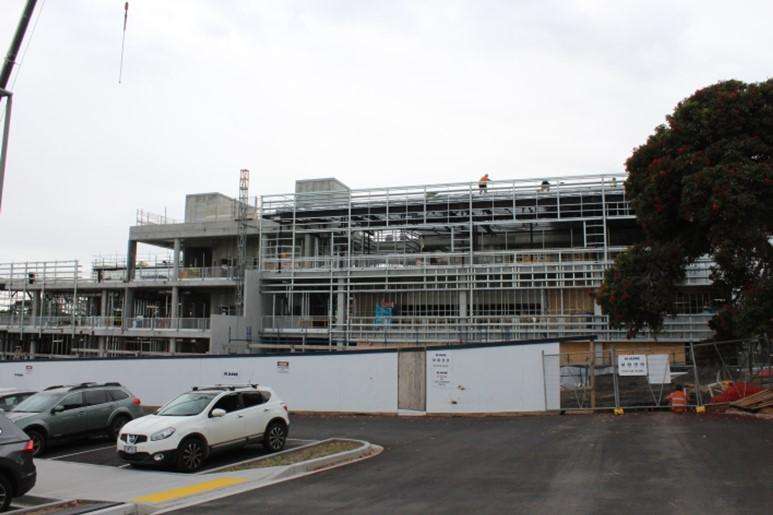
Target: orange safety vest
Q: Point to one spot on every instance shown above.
(678, 400)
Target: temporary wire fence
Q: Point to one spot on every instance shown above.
(710, 374)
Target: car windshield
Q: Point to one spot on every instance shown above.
(187, 405)
(38, 402)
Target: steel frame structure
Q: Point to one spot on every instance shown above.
(449, 262)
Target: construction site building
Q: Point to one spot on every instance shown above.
(329, 267)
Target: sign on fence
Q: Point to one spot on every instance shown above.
(658, 369)
(441, 362)
(632, 365)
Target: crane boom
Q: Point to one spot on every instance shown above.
(5, 75)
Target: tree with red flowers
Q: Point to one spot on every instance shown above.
(701, 185)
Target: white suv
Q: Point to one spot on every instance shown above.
(184, 431)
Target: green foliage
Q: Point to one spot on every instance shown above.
(702, 185)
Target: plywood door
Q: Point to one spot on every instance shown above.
(412, 380)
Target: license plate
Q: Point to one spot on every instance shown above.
(130, 449)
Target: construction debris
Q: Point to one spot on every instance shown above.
(762, 400)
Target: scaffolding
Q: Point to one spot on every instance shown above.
(450, 262)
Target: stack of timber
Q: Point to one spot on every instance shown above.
(760, 402)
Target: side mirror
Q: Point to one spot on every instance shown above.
(218, 412)
(57, 409)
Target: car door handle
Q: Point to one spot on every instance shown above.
(265, 410)
(240, 416)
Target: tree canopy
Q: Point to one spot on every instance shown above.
(701, 185)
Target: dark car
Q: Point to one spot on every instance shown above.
(17, 471)
(62, 412)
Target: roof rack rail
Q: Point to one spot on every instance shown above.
(225, 387)
(54, 387)
(112, 383)
(84, 385)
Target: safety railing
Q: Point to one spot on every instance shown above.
(208, 272)
(440, 259)
(185, 273)
(99, 322)
(556, 261)
(483, 328)
(174, 324)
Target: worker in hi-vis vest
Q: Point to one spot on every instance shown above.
(483, 183)
(678, 400)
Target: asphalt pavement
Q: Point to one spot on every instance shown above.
(636, 463)
(103, 452)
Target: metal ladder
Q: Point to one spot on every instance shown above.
(595, 232)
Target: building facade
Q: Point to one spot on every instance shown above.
(331, 267)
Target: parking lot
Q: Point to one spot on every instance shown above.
(101, 451)
(646, 462)
(640, 462)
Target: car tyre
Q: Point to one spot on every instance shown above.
(275, 437)
(191, 454)
(116, 425)
(6, 492)
(38, 441)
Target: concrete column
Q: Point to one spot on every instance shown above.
(128, 306)
(462, 304)
(101, 344)
(33, 346)
(341, 304)
(103, 304)
(131, 259)
(174, 311)
(176, 258)
(35, 305)
(307, 248)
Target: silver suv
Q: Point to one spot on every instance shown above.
(60, 412)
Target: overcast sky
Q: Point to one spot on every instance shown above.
(373, 93)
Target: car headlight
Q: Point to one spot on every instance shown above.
(163, 434)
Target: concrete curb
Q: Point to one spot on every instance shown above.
(249, 460)
(116, 509)
(121, 509)
(327, 461)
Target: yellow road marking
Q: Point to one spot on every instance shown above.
(186, 491)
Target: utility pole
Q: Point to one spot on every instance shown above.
(5, 74)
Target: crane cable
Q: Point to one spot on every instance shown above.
(123, 39)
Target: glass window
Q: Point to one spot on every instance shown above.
(94, 397)
(228, 403)
(38, 402)
(251, 399)
(118, 395)
(187, 404)
(73, 401)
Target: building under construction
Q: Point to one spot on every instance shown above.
(332, 267)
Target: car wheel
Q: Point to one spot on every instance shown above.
(275, 437)
(5, 493)
(38, 441)
(191, 454)
(116, 425)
